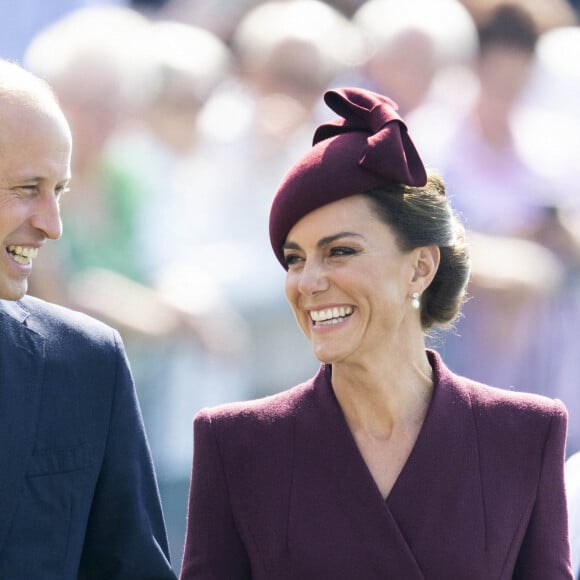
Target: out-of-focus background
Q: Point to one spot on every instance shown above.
(187, 113)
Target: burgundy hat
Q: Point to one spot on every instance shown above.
(368, 147)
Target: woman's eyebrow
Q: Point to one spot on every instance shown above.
(329, 239)
(324, 241)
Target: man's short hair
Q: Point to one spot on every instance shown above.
(19, 85)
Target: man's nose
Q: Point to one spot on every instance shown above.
(46, 217)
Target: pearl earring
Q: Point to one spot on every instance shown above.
(415, 302)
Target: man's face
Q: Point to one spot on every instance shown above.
(35, 151)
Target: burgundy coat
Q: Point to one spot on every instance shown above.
(280, 491)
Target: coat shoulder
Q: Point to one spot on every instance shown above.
(516, 424)
(265, 412)
(52, 320)
(496, 402)
(500, 409)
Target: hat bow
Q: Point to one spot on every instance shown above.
(389, 150)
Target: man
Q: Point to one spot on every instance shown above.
(78, 496)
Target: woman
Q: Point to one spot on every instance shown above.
(385, 464)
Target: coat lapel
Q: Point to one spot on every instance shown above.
(438, 497)
(436, 500)
(21, 374)
(336, 504)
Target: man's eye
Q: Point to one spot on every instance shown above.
(60, 191)
(28, 190)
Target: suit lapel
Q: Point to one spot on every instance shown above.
(21, 374)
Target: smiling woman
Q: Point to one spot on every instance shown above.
(347, 475)
(343, 257)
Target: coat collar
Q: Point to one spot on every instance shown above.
(442, 475)
(404, 535)
(22, 353)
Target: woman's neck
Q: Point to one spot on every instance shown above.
(392, 393)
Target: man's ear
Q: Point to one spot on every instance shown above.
(425, 264)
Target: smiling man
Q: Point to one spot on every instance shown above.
(35, 152)
(78, 496)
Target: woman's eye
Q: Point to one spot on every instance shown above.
(291, 259)
(342, 251)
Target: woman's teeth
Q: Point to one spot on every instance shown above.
(330, 315)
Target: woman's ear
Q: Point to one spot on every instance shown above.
(425, 264)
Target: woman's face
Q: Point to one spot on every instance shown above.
(348, 282)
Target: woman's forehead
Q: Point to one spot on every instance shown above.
(351, 215)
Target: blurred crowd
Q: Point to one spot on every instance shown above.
(186, 114)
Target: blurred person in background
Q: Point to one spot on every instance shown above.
(506, 204)
(549, 138)
(547, 14)
(149, 8)
(180, 234)
(97, 60)
(220, 17)
(78, 494)
(411, 45)
(91, 58)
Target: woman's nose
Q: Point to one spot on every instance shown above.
(313, 279)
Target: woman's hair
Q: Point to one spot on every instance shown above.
(422, 216)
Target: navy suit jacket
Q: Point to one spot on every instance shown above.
(78, 496)
(280, 491)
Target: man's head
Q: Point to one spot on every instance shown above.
(35, 152)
